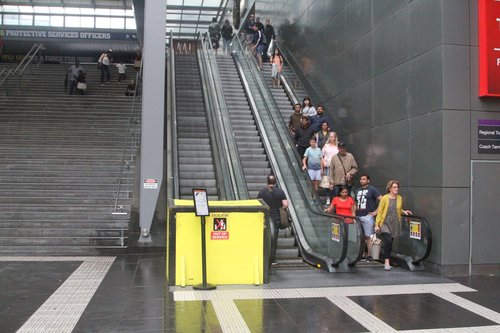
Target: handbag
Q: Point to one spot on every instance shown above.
(81, 86)
(270, 48)
(376, 245)
(284, 219)
(325, 182)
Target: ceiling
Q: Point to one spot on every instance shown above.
(114, 4)
(185, 18)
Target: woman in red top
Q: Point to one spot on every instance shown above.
(343, 205)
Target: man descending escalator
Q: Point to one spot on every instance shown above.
(275, 198)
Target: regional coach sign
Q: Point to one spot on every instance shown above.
(64, 34)
(489, 47)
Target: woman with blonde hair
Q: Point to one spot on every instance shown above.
(329, 150)
(388, 222)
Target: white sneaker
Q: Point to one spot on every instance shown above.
(387, 267)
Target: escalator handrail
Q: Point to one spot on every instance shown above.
(235, 167)
(277, 171)
(172, 159)
(220, 157)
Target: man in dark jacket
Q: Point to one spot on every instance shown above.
(270, 35)
(303, 135)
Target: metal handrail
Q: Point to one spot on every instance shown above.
(219, 159)
(23, 65)
(238, 181)
(131, 119)
(172, 102)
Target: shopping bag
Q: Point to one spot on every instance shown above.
(376, 245)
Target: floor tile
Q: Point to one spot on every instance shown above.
(419, 311)
(25, 286)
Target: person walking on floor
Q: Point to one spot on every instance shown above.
(388, 222)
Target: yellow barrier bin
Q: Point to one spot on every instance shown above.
(238, 243)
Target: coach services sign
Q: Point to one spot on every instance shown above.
(489, 47)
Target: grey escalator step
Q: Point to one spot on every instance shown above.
(196, 175)
(257, 171)
(287, 253)
(195, 160)
(194, 151)
(188, 191)
(286, 242)
(191, 167)
(197, 182)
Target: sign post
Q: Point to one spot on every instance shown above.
(201, 209)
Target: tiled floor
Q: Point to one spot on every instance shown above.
(129, 294)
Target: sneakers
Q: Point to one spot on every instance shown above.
(387, 267)
(369, 258)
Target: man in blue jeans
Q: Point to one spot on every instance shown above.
(275, 198)
(367, 198)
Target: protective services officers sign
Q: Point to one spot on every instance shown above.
(489, 47)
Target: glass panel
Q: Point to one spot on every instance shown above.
(72, 22)
(117, 12)
(103, 22)
(175, 2)
(415, 239)
(117, 23)
(56, 10)
(211, 3)
(56, 21)
(130, 24)
(10, 19)
(11, 9)
(87, 11)
(26, 20)
(102, 11)
(190, 17)
(129, 13)
(25, 9)
(87, 22)
(41, 9)
(42, 20)
(173, 16)
(72, 10)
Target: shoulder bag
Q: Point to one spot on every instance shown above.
(351, 180)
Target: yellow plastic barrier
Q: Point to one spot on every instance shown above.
(237, 238)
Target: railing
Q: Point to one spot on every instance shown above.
(125, 165)
(221, 112)
(172, 152)
(322, 237)
(21, 67)
(414, 243)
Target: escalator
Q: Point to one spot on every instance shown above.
(195, 160)
(413, 245)
(322, 239)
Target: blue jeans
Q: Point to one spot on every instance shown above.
(105, 72)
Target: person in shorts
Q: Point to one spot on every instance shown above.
(312, 162)
(367, 199)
